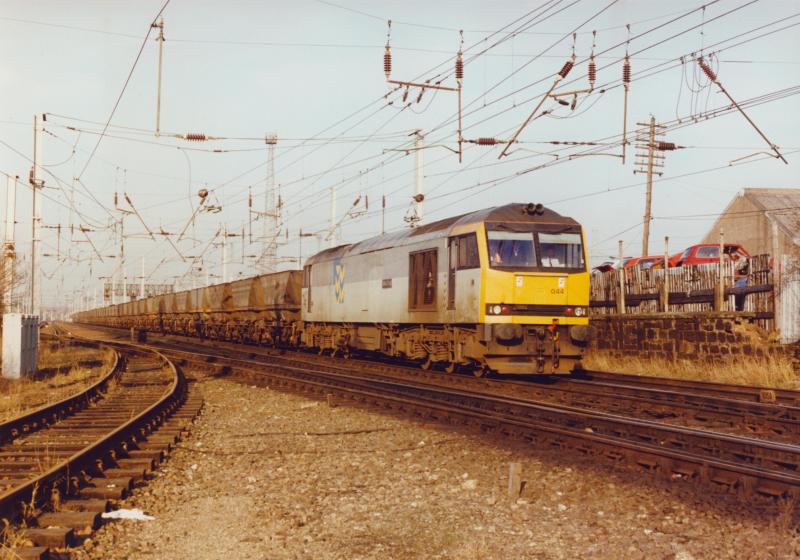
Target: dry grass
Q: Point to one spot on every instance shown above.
(19, 396)
(761, 372)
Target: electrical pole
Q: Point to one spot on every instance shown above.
(9, 248)
(121, 257)
(269, 255)
(160, 39)
(414, 216)
(419, 145)
(648, 159)
(141, 283)
(36, 185)
(224, 254)
(383, 214)
(332, 234)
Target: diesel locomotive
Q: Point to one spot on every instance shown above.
(504, 289)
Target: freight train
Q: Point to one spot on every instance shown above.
(501, 290)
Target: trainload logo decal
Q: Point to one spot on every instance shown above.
(338, 281)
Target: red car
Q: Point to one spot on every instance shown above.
(643, 262)
(706, 253)
(672, 261)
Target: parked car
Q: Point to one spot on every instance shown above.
(643, 262)
(605, 266)
(672, 260)
(706, 253)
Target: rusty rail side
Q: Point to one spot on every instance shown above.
(735, 462)
(18, 502)
(52, 413)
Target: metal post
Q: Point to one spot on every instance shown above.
(36, 184)
(9, 248)
(720, 299)
(333, 216)
(122, 258)
(666, 274)
(160, 26)
(270, 243)
(141, 284)
(419, 145)
(383, 214)
(649, 196)
(224, 254)
(778, 263)
(621, 274)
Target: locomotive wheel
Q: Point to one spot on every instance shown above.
(426, 364)
(450, 367)
(480, 371)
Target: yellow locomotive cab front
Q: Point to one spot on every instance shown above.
(535, 297)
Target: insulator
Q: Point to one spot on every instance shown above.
(592, 70)
(487, 141)
(566, 68)
(387, 62)
(707, 70)
(116, 199)
(459, 67)
(196, 137)
(626, 71)
(405, 95)
(419, 97)
(666, 146)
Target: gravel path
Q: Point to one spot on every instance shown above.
(271, 475)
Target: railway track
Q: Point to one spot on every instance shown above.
(711, 406)
(64, 464)
(733, 463)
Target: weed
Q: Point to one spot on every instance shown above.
(761, 372)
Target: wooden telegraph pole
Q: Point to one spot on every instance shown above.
(649, 160)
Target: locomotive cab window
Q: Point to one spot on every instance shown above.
(512, 249)
(422, 281)
(468, 251)
(561, 250)
(544, 247)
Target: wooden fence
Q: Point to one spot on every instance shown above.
(687, 289)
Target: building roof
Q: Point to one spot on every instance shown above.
(781, 206)
(507, 215)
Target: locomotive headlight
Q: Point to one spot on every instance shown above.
(497, 310)
(580, 311)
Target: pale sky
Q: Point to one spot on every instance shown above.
(311, 72)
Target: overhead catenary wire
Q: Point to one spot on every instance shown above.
(124, 87)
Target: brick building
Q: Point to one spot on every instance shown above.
(762, 220)
(768, 221)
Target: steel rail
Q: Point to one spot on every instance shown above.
(51, 413)
(17, 503)
(761, 419)
(742, 392)
(735, 462)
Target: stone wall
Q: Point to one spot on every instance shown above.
(698, 337)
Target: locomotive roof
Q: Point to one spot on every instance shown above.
(507, 214)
